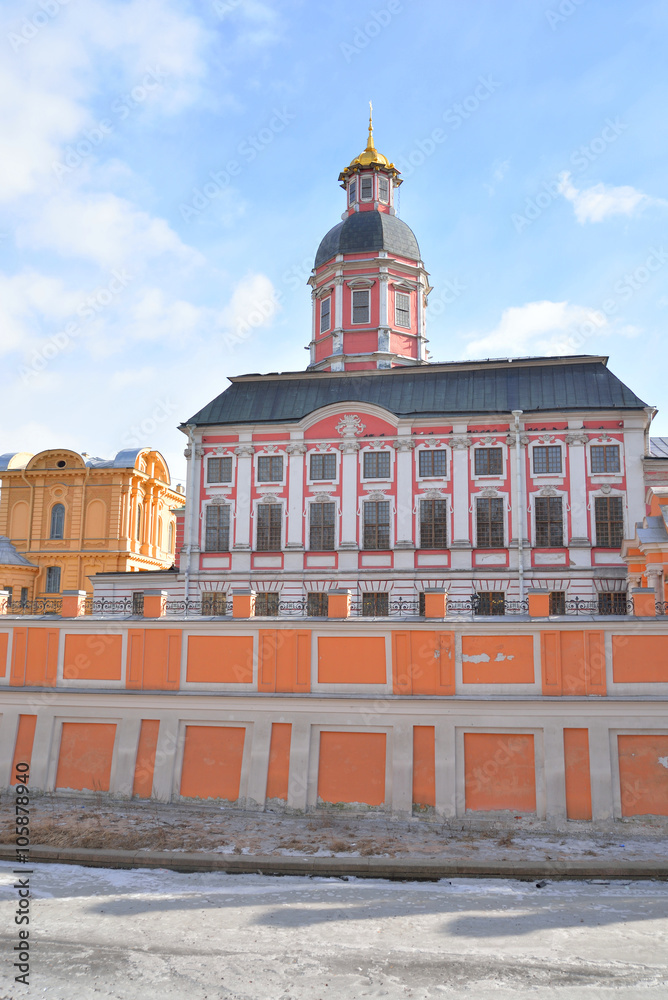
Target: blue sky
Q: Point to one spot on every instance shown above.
(167, 170)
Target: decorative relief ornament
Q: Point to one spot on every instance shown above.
(548, 491)
(577, 437)
(350, 425)
(488, 491)
(322, 497)
(547, 438)
(376, 495)
(460, 441)
(403, 444)
(199, 451)
(489, 439)
(244, 450)
(218, 500)
(510, 439)
(296, 448)
(604, 437)
(606, 488)
(187, 452)
(349, 447)
(433, 495)
(269, 498)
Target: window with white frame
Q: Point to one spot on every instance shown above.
(361, 305)
(325, 314)
(546, 459)
(402, 310)
(433, 463)
(433, 524)
(322, 527)
(376, 465)
(217, 533)
(219, 470)
(609, 518)
(549, 512)
(323, 467)
(376, 524)
(366, 187)
(269, 521)
(489, 522)
(488, 461)
(383, 190)
(605, 458)
(352, 191)
(270, 469)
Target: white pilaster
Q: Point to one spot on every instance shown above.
(299, 765)
(295, 534)
(349, 494)
(461, 535)
(127, 742)
(242, 522)
(601, 771)
(165, 758)
(404, 538)
(576, 440)
(402, 770)
(9, 725)
(259, 764)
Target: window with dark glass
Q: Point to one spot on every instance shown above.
(217, 528)
(57, 521)
(323, 466)
(366, 187)
(549, 522)
(266, 605)
(219, 470)
(214, 602)
(377, 524)
(139, 526)
(489, 522)
(138, 602)
(321, 535)
(612, 604)
(270, 469)
(361, 306)
(421, 604)
(53, 580)
(609, 517)
(24, 596)
(402, 310)
(383, 190)
(605, 458)
(316, 605)
(325, 314)
(491, 602)
(269, 518)
(352, 191)
(488, 461)
(557, 602)
(10, 591)
(375, 605)
(546, 459)
(433, 462)
(433, 524)
(376, 465)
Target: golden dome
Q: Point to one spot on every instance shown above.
(370, 157)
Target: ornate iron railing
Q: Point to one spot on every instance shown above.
(109, 606)
(618, 607)
(662, 607)
(40, 606)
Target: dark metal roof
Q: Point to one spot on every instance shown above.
(368, 231)
(658, 447)
(473, 388)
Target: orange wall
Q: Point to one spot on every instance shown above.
(145, 763)
(212, 762)
(639, 658)
(279, 761)
(643, 775)
(500, 771)
(351, 768)
(423, 663)
(351, 660)
(25, 736)
(154, 659)
(86, 750)
(4, 645)
(220, 659)
(573, 663)
(424, 773)
(284, 660)
(35, 657)
(93, 657)
(578, 780)
(497, 659)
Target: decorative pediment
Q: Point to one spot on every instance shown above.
(360, 283)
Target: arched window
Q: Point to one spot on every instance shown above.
(57, 521)
(139, 520)
(170, 536)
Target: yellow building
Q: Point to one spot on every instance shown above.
(65, 517)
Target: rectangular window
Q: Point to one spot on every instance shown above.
(549, 522)
(266, 605)
(219, 470)
(138, 602)
(402, 310)
(366, 187)
(217, 534)
(433, 524)
(325, 314)
(377, 525)
(491, 602)
(609, 516)
(383, 190)
(546, 459)
(434, 462)
(612, 604)
(352, 191)
(24, 596)
(558, 602)
(421, 604)
(605, 458)
(53, 580)
(270, 469)
(375, 605)
(323, 467)
(488, 461)
(376, 465)
(322, 527)
(316, 605)
(489, 520)
(214, 602)
(10, 591)
(361, 306)
(269, 518)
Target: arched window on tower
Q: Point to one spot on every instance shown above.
(366, 187)
(383, 190)
(352, 191)
(57, 521)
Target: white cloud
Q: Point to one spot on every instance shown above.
(29, 301)
(602, 201)
(252, 306)
(539, 328)
(499, 170)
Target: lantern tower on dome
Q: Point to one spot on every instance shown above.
(369, 285)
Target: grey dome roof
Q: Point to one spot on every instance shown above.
(369, 231)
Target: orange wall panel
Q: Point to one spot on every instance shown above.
(500, 771)
(573, 665)
(550, 654)
(220, 659)
(497, 659)
(643, 775)
(279, 761)
(86, 752)
(284, 660)
(640, 659)
(578, 779)
(35, 657)
(212, 759)
(424, 770)
(423, 663)
(162, 659)
(93, 657)
(351, 660)
(351, 768)
(145, 763)
(4, 645)
(25, 737)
